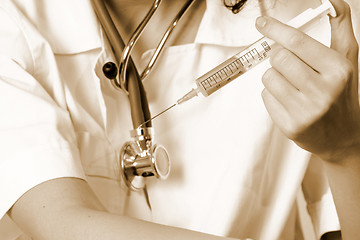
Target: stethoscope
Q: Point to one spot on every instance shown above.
(139, 158)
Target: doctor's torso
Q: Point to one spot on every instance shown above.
(233, 172)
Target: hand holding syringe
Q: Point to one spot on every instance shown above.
(245, 60)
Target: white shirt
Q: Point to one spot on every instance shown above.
(233, 172)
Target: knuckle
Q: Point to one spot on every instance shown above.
(267, 77)
(321, 104)
(296, 39)
(341, 73)
(319, 107)
(293, 126)
(344, 71)
(319, 98)
(302, 119)
(265, 95)
(280, 57)
(292, 130)
(270, 80)
(348, 47)
(296, 131)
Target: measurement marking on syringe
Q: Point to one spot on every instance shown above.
(220, 76)
(249, 55)
(217, 75)
(205, 84)
(243, 60)
(233, 64)
(212, 81)
(228, 68)
(223, 74)
(239, 62)
(266, 46)
(254, 53)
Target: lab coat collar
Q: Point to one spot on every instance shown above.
(69, 26)
(219, 25)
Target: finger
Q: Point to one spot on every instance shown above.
(277, 112)
(303, 46)
(344, 42)
(298, 73)
(281, 89)
(342, 34)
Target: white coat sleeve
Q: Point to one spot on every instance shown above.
(320, 203)
(37, 140)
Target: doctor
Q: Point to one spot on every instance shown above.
(235, 173)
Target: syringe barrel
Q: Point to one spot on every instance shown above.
(234, 66)
(256, 52)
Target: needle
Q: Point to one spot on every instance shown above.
(157, 115)
(185, 98)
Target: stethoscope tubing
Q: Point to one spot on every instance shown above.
(137, 97)
(165, 37)
(129, 79)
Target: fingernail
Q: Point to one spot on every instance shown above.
(260, 22)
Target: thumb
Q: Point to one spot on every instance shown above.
(342, 33)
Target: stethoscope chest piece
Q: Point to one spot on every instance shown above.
(140, 159)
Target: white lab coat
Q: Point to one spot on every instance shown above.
(233, 172)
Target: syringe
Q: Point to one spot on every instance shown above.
(256, 53)
(248, 58)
